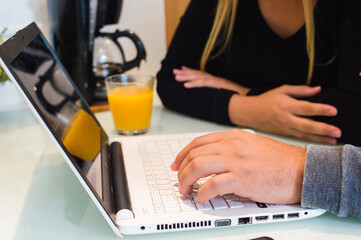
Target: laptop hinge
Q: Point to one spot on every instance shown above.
(122, 204)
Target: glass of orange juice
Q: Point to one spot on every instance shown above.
(130, 98)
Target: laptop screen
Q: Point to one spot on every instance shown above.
(53, 95)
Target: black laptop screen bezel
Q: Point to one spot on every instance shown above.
(9, 51)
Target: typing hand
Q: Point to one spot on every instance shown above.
(195, 78)
(245, 164)
(278, 111)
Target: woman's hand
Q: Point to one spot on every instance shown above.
(245, 164)
(278, 111)
(196, 78)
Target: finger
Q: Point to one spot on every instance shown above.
(199, 83)
(305, 108)
(218, 185)
(189, 71)
(198, 141)
(201, 167)
(203, 150)
(314, 127)
(187, 77)
(300, 91)
(312, 137)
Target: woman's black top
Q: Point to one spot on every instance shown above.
(261, 60)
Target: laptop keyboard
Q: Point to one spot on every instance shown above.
(157, 156)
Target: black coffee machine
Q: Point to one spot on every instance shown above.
(75, 28)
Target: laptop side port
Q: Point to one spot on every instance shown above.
(293, 215)
(222, 222)
(278, 216)
(262, 218)
(244, 221)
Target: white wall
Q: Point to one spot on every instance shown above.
(145, 17)
(17, 14)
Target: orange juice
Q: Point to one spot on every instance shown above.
(82, 136)
(131, 107)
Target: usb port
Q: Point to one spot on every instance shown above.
(262, 218)
(244, 221)
(278, 216)
(293, 215)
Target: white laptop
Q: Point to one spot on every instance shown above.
(129, 179)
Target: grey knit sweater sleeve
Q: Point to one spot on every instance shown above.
(332, 180)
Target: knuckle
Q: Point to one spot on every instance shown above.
(307, 109)
(306, 127)
(281, 119)
(235, 132)
(235, 144)
(285, 86)
(191, 154)
(196, 140)
(283, 106)
(213, 184)
(195, 164)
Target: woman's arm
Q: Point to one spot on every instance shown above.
(346, 96)
(185, 50)
(279, 111)
(332, 180)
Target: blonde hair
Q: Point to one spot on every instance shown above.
(222, 29)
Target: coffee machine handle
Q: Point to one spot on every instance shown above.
(141, 54)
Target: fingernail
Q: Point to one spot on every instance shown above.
(173, 166)
(332, 112)
(336, 134)
(332, 141)
(197, 200)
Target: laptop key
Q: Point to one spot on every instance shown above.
(171, 204)
(186, 204)
(219, 203)
(158, 205)
(188, 208)
(158, 177)
(162, 181)
(164, 187)
(165, 192)
(172, 210)
(159, 210)
(201, 206)
(167, 198)
(204, 206)
(235, 204)
(230, 197)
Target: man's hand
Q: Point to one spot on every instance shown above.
(245, 164)
(195, 78)
(278, 111)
